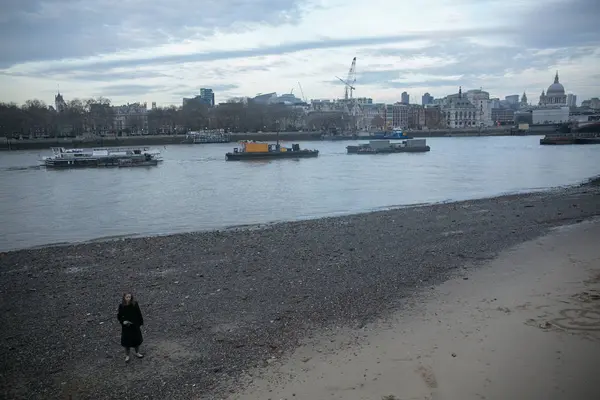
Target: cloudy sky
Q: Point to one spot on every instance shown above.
(163, 50)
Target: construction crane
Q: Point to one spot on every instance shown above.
(302, 92)
(350, 81)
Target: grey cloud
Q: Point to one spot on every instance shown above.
(388, 79)
(113, 75)
(191, 91)
(279, 49)
(222, 87)
(129, 90)
(474, 64)
(562, 24)
(57, 29)
(473, 60)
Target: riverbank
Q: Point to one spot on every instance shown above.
(163, 140)
(219, 304)
(524, 326)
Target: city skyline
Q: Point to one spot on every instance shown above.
(105, 48)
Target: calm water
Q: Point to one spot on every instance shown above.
(195, 189)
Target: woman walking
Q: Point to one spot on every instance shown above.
(131, 319)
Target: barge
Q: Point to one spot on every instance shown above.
(101, 157)
(250, 150)
(385, 146)
(587, 133)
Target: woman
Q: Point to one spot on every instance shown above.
(131, 319)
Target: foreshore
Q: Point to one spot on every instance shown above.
(218, 305)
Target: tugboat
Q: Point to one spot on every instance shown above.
(384, 146)
(250, 150)
(101, 157)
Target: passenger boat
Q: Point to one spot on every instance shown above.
(250, 150)
(384, 146)
(209, 136)
(395, 133)
(101, 157)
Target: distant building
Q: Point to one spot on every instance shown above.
(593, 103)
(208, 96)
(132, 117)
(396, 115)
(59, 103)
(426, 99)
(523, 103)
(503, 116)
(459, 112)
(287, 99)
(523, 117)
(404, 98)
(571, 100)
(416, 116)
(550, 115)
(555, 95)
(513, 99)
(483, 105)
(369, 112)
(434, 117)
(363, 100)
(265, 98)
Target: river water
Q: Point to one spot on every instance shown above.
(195, 189)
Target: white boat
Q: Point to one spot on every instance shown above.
(100, 157)
(208, 136)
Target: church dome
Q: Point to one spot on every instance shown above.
(556, 88)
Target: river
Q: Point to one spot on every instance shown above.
(195, 189)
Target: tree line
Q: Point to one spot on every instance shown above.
(97, 116)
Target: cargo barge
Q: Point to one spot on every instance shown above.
(385, 146)
(588, 133)
(250, 150)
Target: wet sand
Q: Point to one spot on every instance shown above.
(524, 326)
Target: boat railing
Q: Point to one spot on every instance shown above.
(117, 149)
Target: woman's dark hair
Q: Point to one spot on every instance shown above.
(132, 302)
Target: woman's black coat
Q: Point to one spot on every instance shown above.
(131, 335)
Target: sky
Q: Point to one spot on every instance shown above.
(162, 51)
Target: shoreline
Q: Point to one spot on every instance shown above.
(162, 140)
(219, 303)
(595, 180)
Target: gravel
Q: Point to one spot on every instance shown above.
(219, 303)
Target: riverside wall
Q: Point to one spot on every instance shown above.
(163, 140)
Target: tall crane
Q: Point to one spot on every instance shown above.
(302, 92)
(350, 81)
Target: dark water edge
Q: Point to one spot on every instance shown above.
(258, 226)
(594, 181)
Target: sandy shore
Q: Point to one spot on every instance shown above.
(524, 326)
(220, 304)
